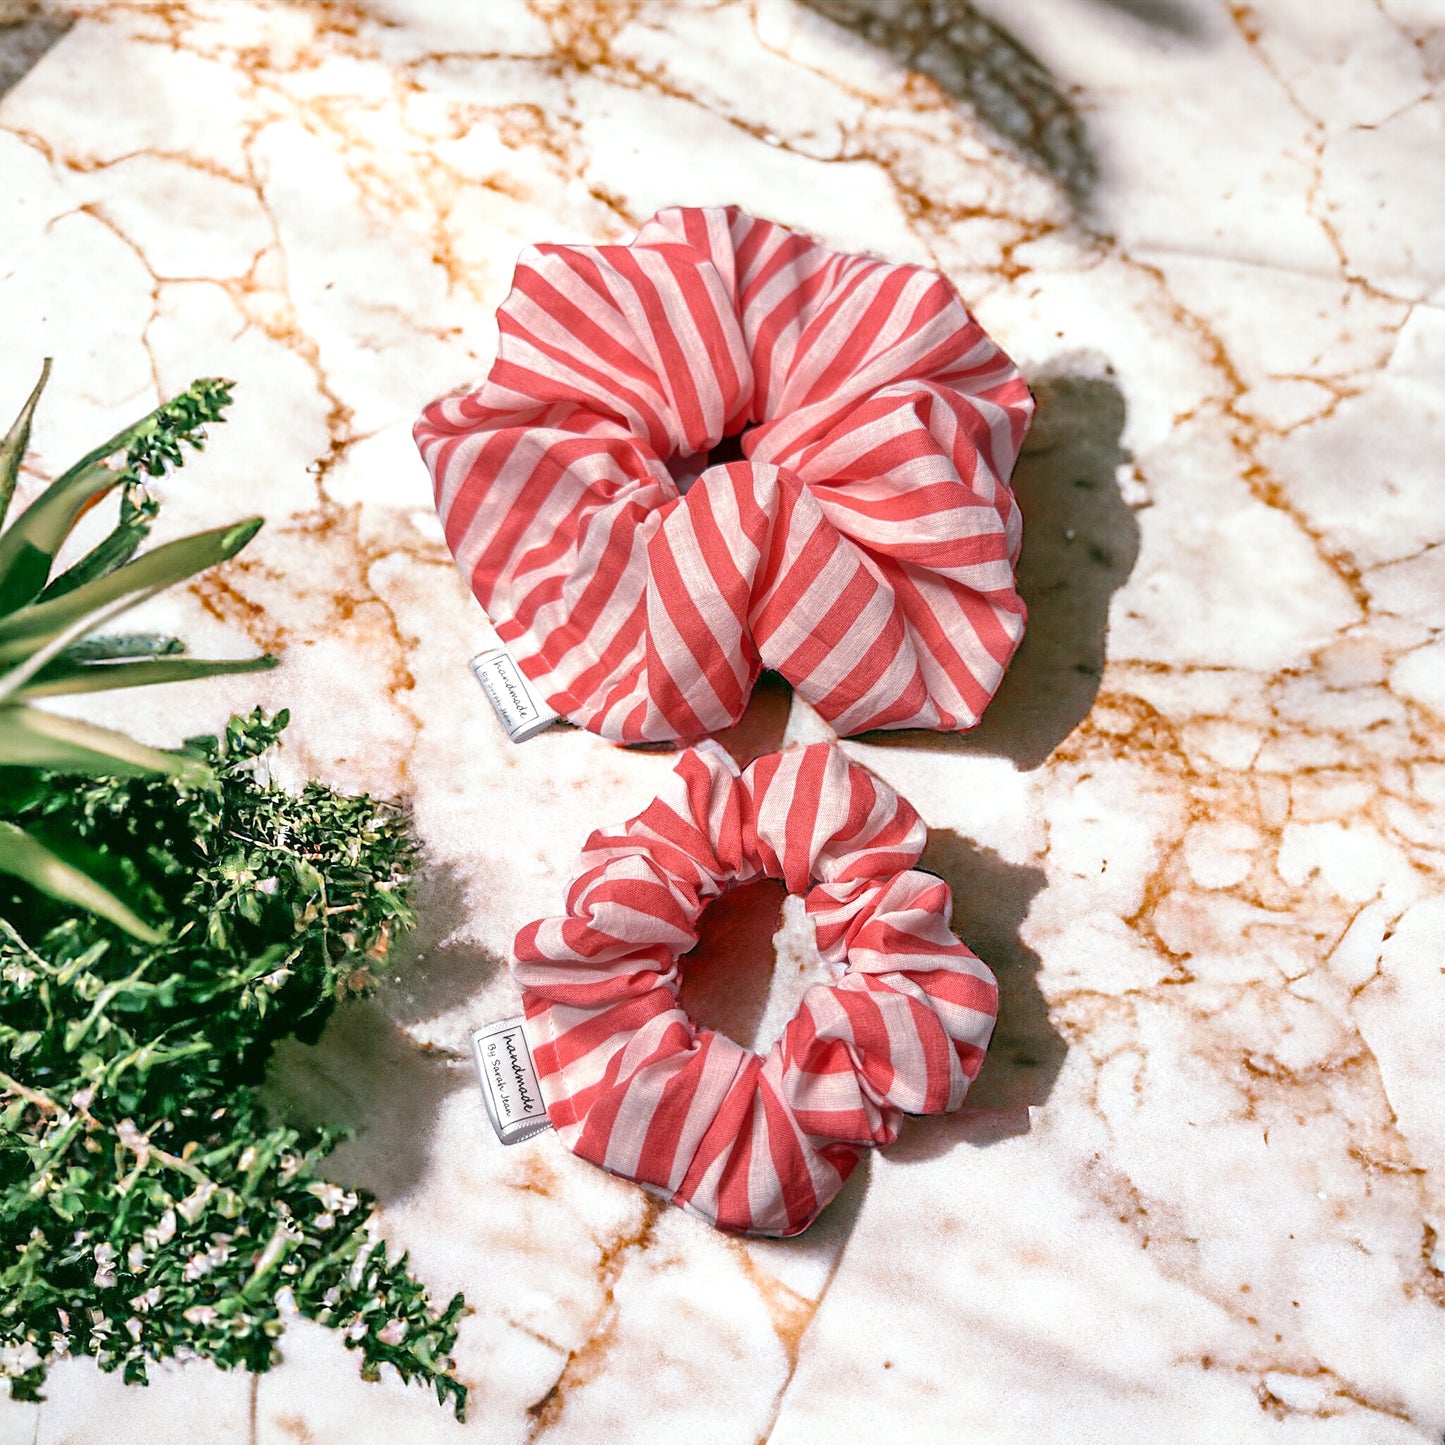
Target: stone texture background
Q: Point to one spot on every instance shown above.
(1198, 1192)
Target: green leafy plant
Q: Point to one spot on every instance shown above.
(149, 1207)
(47, 620)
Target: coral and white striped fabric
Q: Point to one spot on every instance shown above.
(752, 1144)
(864, 548)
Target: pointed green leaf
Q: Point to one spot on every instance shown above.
(32, 738)
(113, 550)
(182, 418)
(27, 549)
(62, 677)
(12, 449)
(22, 633)
(123, 646)
(24, 857)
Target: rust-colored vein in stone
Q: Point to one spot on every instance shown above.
(589, 1359)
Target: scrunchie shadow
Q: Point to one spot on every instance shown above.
(727, 977)
(991, 900)
(1081, 541)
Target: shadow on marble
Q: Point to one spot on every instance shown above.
(1081, 540)
(764, 721)
(366, 1073)
(1179, 18)
(991, 900)
(432, 971)
(727, 977)
(829, 1234)
(975, 60)
(729, 980)
(27, 30)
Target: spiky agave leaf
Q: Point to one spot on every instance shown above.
(12, 449)
(28, 548)
(45, 646)
(27, 858)
(30, 737)
(137, 511)
(123, 646)
(24, 632)
(65, 677)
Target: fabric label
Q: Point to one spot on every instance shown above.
(522, 712)
(509, 1081)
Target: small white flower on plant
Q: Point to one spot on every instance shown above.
(104, 1265)
(161, 1233)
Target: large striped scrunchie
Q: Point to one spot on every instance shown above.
(864, 548)
(753, 1144)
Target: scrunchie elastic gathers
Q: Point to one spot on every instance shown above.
(865, 547)
(753, 1144)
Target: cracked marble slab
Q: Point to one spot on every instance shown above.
(1199, 1190)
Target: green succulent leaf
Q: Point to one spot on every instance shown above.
(23, 632)
(33, 738)
(28, 547)
(12, 449)
(63, 677)
(137, 512)
(123, 646)
(27, 858)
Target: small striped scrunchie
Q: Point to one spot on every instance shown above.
(863, 547)
(752, 1144)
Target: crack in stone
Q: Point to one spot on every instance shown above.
(588, 1359)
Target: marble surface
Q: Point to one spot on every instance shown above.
(1199, 1191)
